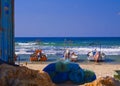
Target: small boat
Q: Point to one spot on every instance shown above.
(38, 56)
(71, 56)
(96, 56)
(74, 58)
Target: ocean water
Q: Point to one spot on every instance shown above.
(54, 47)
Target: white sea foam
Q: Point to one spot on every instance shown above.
(29, 48)
(107, 51)
(27, 44)
(23, 52)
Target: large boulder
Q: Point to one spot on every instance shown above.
(104, 81)
(22, 76)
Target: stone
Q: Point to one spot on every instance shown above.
(104, 81)
(22, 76)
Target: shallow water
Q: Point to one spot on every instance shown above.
(82, 59)
(54, 47)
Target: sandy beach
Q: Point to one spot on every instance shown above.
(99, 69)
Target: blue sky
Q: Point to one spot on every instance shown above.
(67, 18)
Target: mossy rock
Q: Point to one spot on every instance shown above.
(117, 74)
(117, 77)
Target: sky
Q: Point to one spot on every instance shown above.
(67, 18)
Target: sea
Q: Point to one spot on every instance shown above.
(54, 47)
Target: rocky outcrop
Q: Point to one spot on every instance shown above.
(104, 81)
(22, 76)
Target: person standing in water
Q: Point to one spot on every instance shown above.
(67, 54)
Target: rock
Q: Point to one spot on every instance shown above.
(22, 76)
(104, 81)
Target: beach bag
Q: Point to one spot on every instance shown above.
(77, 76)
(89, 76)
(60, 77)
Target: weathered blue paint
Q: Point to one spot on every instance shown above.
(7, 31)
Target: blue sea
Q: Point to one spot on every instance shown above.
(54, 47)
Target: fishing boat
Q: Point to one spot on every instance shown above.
(96, 55)
(71, 56)
(38, 56)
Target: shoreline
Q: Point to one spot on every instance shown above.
(82, 63)
(100, 70)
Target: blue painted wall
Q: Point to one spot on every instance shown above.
(7, 30)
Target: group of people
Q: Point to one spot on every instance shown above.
(68, 55)
(96, 55)
(38, 56)
(39, 53)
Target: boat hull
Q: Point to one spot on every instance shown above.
(74, 58)
(98, 56)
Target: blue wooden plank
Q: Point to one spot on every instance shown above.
(7, 32)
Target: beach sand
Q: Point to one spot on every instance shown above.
(99, 69)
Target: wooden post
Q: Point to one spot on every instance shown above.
(7, 31)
